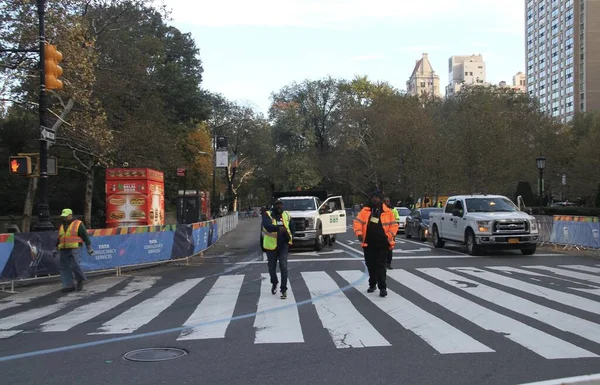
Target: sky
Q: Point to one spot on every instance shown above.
(251, 49)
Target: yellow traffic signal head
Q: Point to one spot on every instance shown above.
(52, 71)
(20, 165)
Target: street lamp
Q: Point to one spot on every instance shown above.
(541, 165)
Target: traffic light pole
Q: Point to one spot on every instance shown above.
(43, 209)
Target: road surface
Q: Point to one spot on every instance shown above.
(449, 318)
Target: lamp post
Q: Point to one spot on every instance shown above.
(541, 165)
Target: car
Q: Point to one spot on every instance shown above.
(404, 213)
(417, 223)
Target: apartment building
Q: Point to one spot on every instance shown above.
(562, 49)
(423, 80)
(519, 83)
(465, 70)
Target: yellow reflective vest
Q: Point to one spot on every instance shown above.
(69, 239)
(270, 239)
(396, 214)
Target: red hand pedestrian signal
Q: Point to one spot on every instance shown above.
(20, 165)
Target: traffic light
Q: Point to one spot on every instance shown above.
(52, 71)
(20, 165)
(221, 142)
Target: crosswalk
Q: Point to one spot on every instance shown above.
(552, 311)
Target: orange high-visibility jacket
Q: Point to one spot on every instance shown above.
(388, 221)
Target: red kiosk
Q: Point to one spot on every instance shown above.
(134, 197)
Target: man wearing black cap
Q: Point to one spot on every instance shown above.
(375, 227)
(278, 230)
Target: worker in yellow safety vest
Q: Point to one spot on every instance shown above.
(277, 230)
(71, 234)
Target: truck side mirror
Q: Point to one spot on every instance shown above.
(325, 210)
(456, 213)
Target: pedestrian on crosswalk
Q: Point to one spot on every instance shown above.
(71, 235)
(375, 227)
(278, 230)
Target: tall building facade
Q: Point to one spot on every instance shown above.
(423, 80)
(465, 70)
(563, 55)
(519, 83)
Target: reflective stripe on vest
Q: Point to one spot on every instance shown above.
(69, 239)
(270, 239)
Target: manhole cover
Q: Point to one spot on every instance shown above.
(154, 354)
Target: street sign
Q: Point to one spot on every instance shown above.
(222, 160)
(48, 135)
(52, 166)
(564, 179)
(181, 171)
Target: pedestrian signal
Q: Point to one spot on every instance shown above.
(20, 165)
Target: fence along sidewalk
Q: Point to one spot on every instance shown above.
(26, 257)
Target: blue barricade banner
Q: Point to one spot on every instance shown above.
(7, 242)
(28, 255)
(200, 235)
(574, 230)
(108, 251)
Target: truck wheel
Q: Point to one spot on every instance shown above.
(319, 241)
(529, 250)
(437, 242)
(472, 248)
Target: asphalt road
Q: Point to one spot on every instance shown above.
(449, 319)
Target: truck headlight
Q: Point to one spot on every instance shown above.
(483, 226)
(310, 223)
(534, 225)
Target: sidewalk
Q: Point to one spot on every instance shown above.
(573, 251)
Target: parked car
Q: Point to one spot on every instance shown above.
(417, 223)
(404, 213)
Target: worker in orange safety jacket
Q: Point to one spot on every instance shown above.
(375, 227)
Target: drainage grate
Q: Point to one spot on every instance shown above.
(154, 354)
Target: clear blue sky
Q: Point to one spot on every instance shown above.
(250, 49)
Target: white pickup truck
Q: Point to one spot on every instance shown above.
(484, 222)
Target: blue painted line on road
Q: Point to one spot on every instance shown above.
(182, 328)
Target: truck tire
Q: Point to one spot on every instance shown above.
(438, 243)
(529, 250)
(472, 248)
(319, 240)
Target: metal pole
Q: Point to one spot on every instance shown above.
(43, 223)
(214, 180)
(541, 187)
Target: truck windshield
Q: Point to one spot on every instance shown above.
(298, 204)
(490, 205)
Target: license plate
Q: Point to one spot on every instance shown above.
(513, 240)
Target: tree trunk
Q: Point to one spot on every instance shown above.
(89, 190)
(29, 202)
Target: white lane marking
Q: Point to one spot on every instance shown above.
(510, 270)
(144, 312)
(347, 327)
(441, 336)
(27, 296)
(264, 259)
(572, 300)
(535, 340)
(276, 327)
(8, 333)
(218, 304)
(34, 314)
(360, 252)
(589, 269)
(568, 273)
(578, 380)
(426, 244)
(409, 251)
(87, 312)
(562, 321)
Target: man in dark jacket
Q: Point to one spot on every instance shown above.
(376, 227)
(278, 230)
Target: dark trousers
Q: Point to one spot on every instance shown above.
(69, 265)
(280, 254)
(389, 257)
(376, 259)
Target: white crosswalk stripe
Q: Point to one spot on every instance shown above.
(511, 301)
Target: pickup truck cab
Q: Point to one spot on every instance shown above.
(484, 222)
